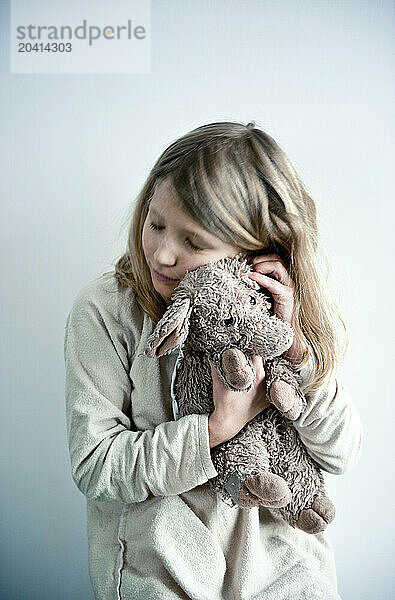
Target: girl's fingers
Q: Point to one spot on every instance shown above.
(283, 295)
(269, 265)
(278, 290)
(214, 373)
(258, 363)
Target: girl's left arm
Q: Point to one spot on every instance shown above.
(330, 426)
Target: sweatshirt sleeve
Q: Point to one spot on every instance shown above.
(330, 426)
(109, 461)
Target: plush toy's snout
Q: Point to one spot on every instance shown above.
(273, 338)
(237, 371)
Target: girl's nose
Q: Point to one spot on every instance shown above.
(166, 254)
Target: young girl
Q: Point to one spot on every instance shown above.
(155, 528)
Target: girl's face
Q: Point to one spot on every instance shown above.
(174, 243)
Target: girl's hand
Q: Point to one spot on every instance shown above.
(234, 409)
(270, 273)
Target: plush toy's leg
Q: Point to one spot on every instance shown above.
(285, 399)
(282, 386)
(264, 489)
(315, 519)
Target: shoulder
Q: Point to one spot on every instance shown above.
(107, 302)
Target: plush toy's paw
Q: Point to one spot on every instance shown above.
(316, 518)
(285, 399)
(264, 489)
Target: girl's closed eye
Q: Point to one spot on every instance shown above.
(188, 242)
(155, 227)
(192, 246)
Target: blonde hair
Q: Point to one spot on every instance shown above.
(236, 181)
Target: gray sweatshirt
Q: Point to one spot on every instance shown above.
(155, 529)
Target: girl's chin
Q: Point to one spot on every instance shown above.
(165, 290)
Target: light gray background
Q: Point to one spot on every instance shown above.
(77, 149)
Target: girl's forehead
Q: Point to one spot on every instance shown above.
(164, 197)
(165, 186)
(165, 204)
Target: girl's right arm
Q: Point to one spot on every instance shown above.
(109, 459)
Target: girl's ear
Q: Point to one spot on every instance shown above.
(171, 330)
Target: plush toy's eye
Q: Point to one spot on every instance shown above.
(229, 321)
(252, 300)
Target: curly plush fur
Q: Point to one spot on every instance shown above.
(219, 314)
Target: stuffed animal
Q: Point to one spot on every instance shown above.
(219, 314)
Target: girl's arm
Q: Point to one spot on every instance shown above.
(330, 426)
(110, 461)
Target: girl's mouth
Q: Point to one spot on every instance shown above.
(164, 278)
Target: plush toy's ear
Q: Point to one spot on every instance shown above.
(171, 330)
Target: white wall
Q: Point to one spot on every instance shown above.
(77, 149)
